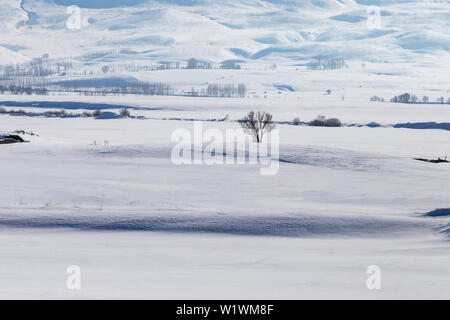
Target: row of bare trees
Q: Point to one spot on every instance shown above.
(23, 90)
(140, 88)
(412, 98)
(220, 90)
(326, 64)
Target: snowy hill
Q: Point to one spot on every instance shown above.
(98, 183)
(11, 14)
(246, 30)
(10, 57)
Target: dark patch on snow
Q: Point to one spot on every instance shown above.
(445, 212)
(15, 48)
(284, 87)
(349, 18)
(109, 115)
(424, 125)
(373, 125)
(409, 125)
(288, 226)
(11, 138)
(98, 82)
(438, 160)
(70, 105)
(370, 125)
(240, 52)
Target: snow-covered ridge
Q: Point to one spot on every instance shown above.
(8, 56)
(12, 14)
(250, 29)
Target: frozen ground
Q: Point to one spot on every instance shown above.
(139, 265)
(105, 196)
(141, 227)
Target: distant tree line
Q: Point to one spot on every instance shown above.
(159, 89)
(322, 121)
(38, 77)
(152, 89)
(412, 98)
(139, 88)
(221, 90)
(230, 65)
(23, 90)
(153, 67)
(405, 98)
(377, 98)
(37, 68)
(319, 121)
(192, 63)
(198, 64)
(326, 64)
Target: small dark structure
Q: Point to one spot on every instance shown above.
(11, 138)
(438, 160)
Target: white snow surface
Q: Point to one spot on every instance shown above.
(104, 194)
(141, 227)
(250, 30)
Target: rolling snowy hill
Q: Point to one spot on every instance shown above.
(244, 30)
(95, 188)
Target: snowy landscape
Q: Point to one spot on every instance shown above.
(92, 94)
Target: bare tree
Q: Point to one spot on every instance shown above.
(242, 90)
(257, 124)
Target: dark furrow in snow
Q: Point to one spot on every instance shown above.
(285, 226)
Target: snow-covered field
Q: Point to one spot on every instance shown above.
(147, 265)
(105, 195)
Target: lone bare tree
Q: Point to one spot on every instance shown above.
(257, 124)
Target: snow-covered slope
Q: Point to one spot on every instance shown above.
(104, 195)
(12, 14)
(237, 29)
(8, 56)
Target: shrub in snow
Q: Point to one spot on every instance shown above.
(296, 121)
(125, 113)
(20, 111)
(333, 122)
(322, 121)
(55, 113)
